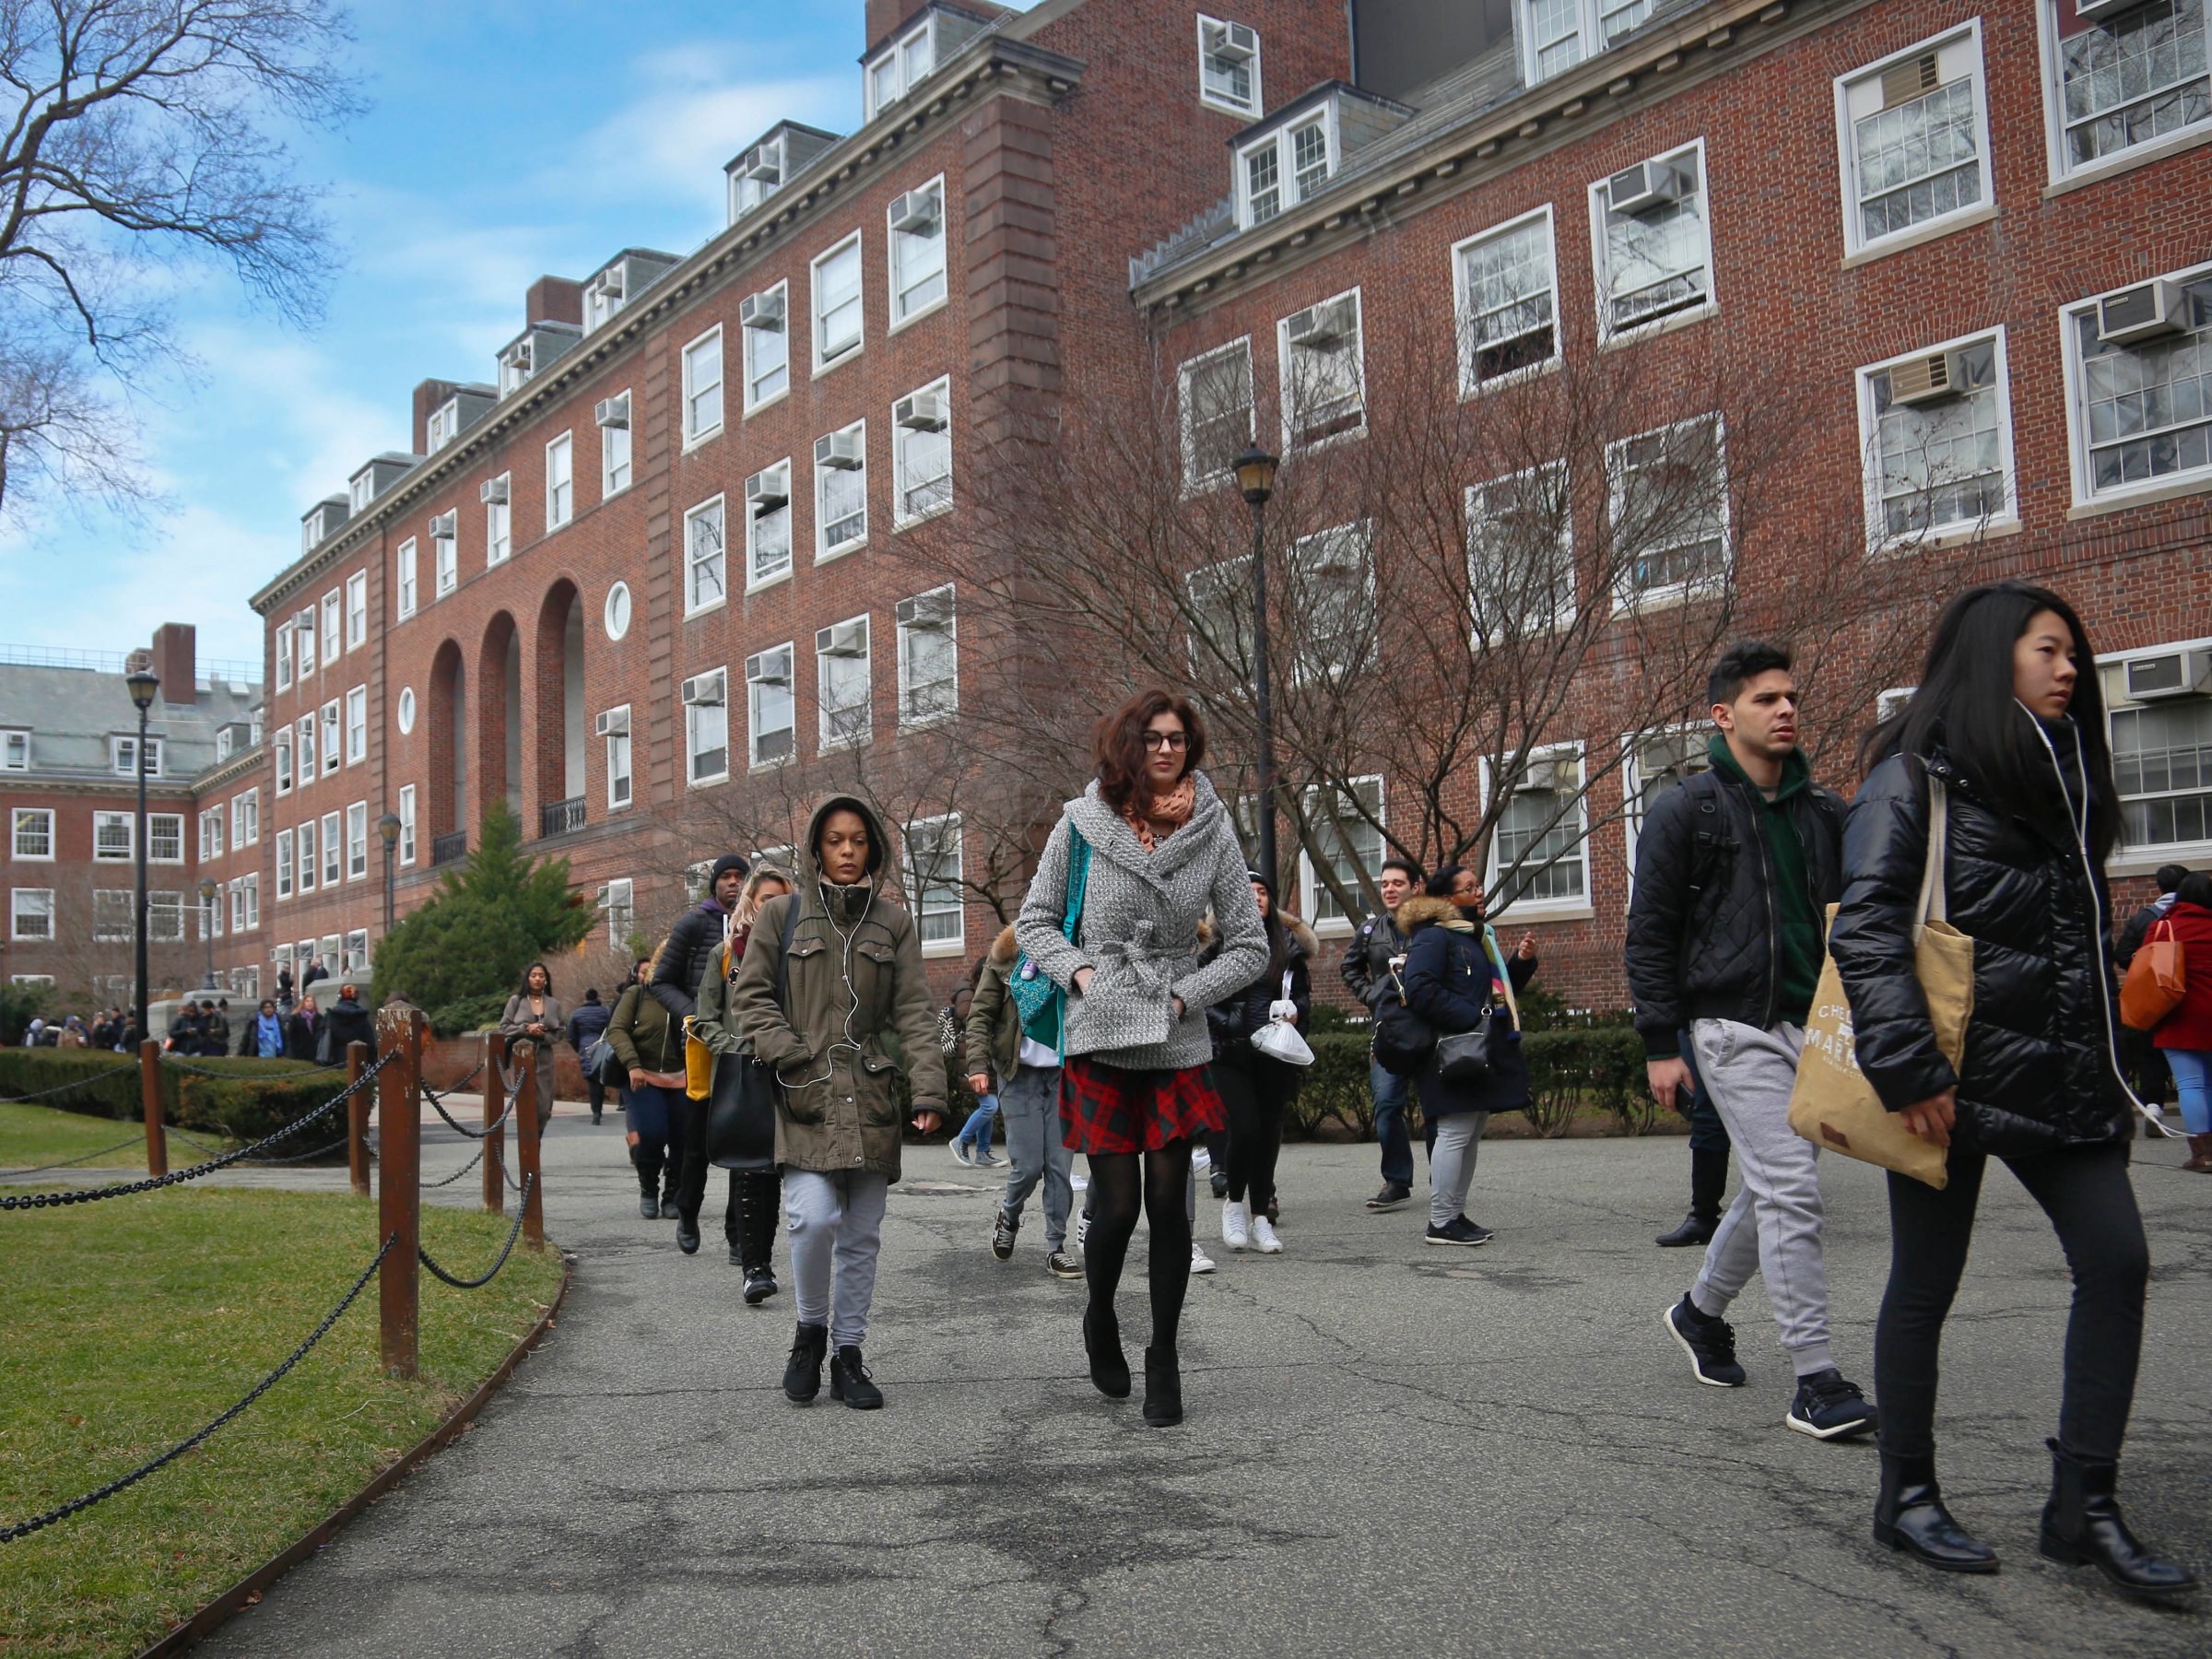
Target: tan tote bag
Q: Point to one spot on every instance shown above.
(1833, 1105)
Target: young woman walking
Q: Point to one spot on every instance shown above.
(1257, 1089)
(2184, 1036)
(2004, 736)
(1133, 1085)
(654, 1110)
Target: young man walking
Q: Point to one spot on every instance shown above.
(1365, 970)
(1735, 870)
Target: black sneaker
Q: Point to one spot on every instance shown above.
(850, 1382)
(803, 1373)
(1001, 1236)
(1709, 1340)
(1392, 1197)
(1827, 1407)
(1221, 1183)
(759, 1285)
(1458, 1230)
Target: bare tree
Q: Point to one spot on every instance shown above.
(142, 134)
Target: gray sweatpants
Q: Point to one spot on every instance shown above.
(1029, 1105)
(1452, 1164)
(836, 1227)
(1774, 1225)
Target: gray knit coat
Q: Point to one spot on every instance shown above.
(1140, 932)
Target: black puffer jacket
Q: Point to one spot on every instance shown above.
(685, 959)
(1703, 942)
(1233, 1021)
(2040, 1069)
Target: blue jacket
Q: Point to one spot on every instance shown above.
(1449, 973)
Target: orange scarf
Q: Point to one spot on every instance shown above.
(1164, 814)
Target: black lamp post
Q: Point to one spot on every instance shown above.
(143, 684)
(208, 890)
(1255, 477)
(388, 827)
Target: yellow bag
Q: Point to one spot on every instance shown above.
(1833, 1105)
(698, 1059)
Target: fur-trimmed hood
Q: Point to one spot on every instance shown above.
(1302, 936)
(1002, 948)
(1423, 911)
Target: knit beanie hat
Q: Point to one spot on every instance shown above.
(727, 862)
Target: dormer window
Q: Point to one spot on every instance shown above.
(756, 176)
(901, 66)
(323, 520)
(1559, 34)
(361, 490)
(1282, 168)
(517, 363)
(444, 425)
(604, 297)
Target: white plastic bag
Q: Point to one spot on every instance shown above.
(1278, 1039)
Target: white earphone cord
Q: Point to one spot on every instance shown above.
(851, 990)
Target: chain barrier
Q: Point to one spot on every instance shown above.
(463, 1084)
(70, 1163)
(155, 1182)
(170, 1063)
(8, 1534)
(477, 1284)
(299, 1158)
(478, 1134)
(475, 1159)
(83, 1082)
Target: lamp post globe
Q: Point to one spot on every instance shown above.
(143, 684)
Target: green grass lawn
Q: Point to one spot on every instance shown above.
(126, 1325)
(33, 1135)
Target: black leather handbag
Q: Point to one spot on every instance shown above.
(1465, 1056)
(741, 1107)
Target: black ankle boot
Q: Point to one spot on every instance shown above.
(648, 1184)
(803, 1373)
(1909, 1515)
(1102, 1342)
(850, 1382)
(2082, 1522)
(1708, 1184)
(1163, 1388)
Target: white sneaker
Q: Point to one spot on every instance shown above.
(1236, 1225)
(1263, 1237)
(1202, 1160)
(1200, 1261)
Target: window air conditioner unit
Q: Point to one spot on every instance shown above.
(1321, 328)
(767, 491)
(612, 412)
(2142, 312)
(494, 493)
(1669, 752)
(615, 723)
(1914, 79)
(843, 639)
(917, 212)
(926, 611)
(764, 165)
(1888, 705)
(761, 311)
(841, 450)
(610, 283)
(1544, 776)
(1928, 380)
(768, 668)
(517, 356)
(1648, 185)
(1233, 43)
(2102, 9)
(923, 412)
(704, 690)
(2176, 674)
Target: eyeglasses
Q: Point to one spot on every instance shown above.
(1167, 740)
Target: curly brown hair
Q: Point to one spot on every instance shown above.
(1117, 744)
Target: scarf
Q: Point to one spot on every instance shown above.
(269, 1035)
(1164, 814)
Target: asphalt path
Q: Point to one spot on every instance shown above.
(1390, 1448)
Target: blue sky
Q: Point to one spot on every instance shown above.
(503, 141)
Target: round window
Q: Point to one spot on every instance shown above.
(406, 709)
(618, 610)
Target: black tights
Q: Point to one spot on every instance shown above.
(1115, 1199)
(2085, 1192)
(1253, 1101)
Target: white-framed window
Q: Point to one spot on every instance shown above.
(1347, 824)
(334, 640)
(303, 641)
(1214, 398)
(31, 834)
(164, 917)
(766, 332)
(1332, 576)
(1652, 237)
(1506, 283)
(841, 491)
(283, 863)
(306, 747)
(914, 228)
(115, 837)
(614, 615)
(618, 899)
(612, 416)
(31, 914)
(334, 735)
(443, 427)
(1556, 35)
(614, 727)
(402, 711)
(356, 840)
(1324, 373)
(921, 454)
(14, 750)
(1544, 827)
(1520, 554)
(406, 823)
(113, 910)
(123, 757)
(165, 838)
(41, 982)
(282, 745)
(499, 529)
(836, 292)
(768, 525)
(238, 907)
(900, 67)
(2139, 388)
(844, 683)
(284, 657)
(245, 818)
(249, 891)
(353, 951)
(306, 841)
(2159, 718)
(1914, 130)
(2127, 81)
(1281, 169)
(1229, 66)
(1667, 503)
(707, 727)
(333, 849)
(1935, 428)
(1220, 618)
(357, 610)
(1652, 763)
(561, 481)
(210, 910)
(771, 705)
(211, 834)
(356, 725)
(403, 581)
(929, 674)
(933, 882)
(706, 567)
(702, 387)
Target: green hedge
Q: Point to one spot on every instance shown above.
(248, 1100)
(1572, 1068)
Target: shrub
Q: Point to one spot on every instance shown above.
(468, 1014)
(1578, 1067)
(108, 1083)
(248, 1100)
(247, 1107)
(1335, 1086)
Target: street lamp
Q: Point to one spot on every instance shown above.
(388, 827)
(1256, 479)
(208, 890)
(143, 684)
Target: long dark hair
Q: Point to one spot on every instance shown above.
(536, 968)
(1117, 744)
(1964, 705)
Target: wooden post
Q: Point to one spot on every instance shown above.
(357, 1119)
(399, 1206)
(495, 1098)
(150, 1095)
(527, 1120)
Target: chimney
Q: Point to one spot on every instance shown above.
(173, 662)
(428, 394)
(886, 16)
(553, 299)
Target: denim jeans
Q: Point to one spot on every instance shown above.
(976, 1131)
(2193, 1080)
(1031, 1100)
(1390, 1094)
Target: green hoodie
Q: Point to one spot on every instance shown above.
(1798, 921)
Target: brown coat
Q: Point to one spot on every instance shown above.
(993, 1022)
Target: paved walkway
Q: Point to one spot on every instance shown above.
(1390, 1448)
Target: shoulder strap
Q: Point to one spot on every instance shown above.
(1078, 881)
(1935, 904)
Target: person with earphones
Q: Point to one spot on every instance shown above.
(832, 979)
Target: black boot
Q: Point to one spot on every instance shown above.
(671, 1183)
(1909, 1515)
(2082, 1522)
(850, 1382)
(1163, 1388)
(1708, 1182)
(803, 1373)
(687, 1231)
(1102, 1342)
(648, 1166)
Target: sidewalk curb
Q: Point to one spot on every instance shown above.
(248, 1589)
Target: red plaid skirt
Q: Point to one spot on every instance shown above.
(1106, 1109)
